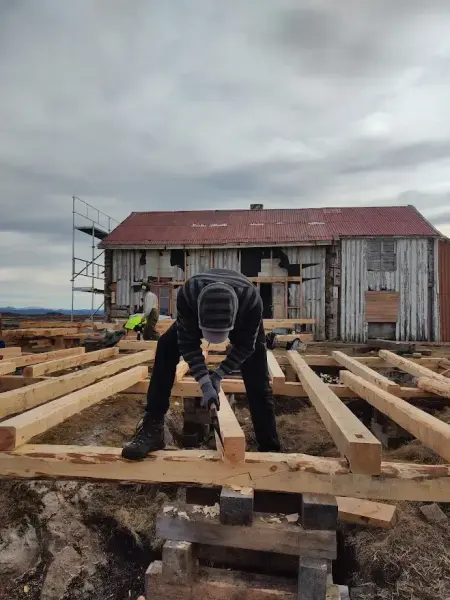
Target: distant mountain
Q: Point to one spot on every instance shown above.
(33, 310)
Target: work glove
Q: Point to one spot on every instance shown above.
(209, 395)
(215, 380)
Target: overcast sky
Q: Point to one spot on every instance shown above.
(139, 105)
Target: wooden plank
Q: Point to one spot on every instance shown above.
(381, 307)
(32, 359)
(11, 352)
(22, 399)
(20, 429)
(276, 374)
(50, 324)
(434, 386)
(232, 434)
(57, 331)
(129, 344)
(67, 362)
(432, 432)
(366, 512)
(12, 382)
(270, 324)
(354, 440)
(374, 362)
(283, 537)
(7, 367)
(404, 364)
(221, 584)
(295, 473)
(366, 372)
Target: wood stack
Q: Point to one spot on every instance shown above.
(281, 544)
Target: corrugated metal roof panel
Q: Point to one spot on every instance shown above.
(275, 226)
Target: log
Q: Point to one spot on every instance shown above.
(366, 372)
(408, 366)
(263, 535)
(232, 434)
(17, 401)
(295, 473)
(434, 386)
(20, 429)
(7, 367)
(32, 359)
(354, 440)
(432, 432)
(366, 512)
(59, 364)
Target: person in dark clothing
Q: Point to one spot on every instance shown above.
(215, 305)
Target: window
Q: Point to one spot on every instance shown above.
(381, 255)
(164, 300)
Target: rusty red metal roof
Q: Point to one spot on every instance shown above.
(267, 226)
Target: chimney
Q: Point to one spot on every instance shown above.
(256, 206)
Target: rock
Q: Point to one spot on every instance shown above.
(19, 550)
(66, 566)
(433, 513)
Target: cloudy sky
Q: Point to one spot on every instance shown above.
(140, 105)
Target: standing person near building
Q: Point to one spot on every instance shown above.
(151, 314)
(214, 305)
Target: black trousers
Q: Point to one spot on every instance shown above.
(255, 374)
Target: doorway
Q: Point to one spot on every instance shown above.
(265, 290)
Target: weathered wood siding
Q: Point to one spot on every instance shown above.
(414, 278)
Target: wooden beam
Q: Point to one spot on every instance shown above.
(417, 370)
(366, 512)
(67, 362)
(354, 440)
(15, 333)
(366, 372)
(182, 370)
(130, 344)
(282, 537)
(432, 432)
(20, 429)
(434, 386)
(294, 473)
(32, 359)
(12, 382)
(11, 352)
(51, 324)
(270, 324)
(17, 401)
(232, 434)
(189, 387)
(374, 362)
(7, 367)
(276, 374)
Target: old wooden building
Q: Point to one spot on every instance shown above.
(360, 272)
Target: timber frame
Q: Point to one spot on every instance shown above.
(33, 401)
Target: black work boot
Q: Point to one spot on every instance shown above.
(149, 436)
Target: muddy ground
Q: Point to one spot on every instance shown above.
(73, 541)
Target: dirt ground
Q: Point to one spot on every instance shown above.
(412, 561)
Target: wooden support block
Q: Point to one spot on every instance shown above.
(276, 374)
(408, 366)
(232, 434)
(7, 367)
(434, 514)
(255, 561)
(293, 473)
(219, 584)
(236, 507)
(319, 511)
(366, 512)
(283, 537)
(365, 372)
(67, 362)
(434, 386)
(354, 440)
(17, 401)
(19, 429)
(32, 359)
(430, 431)
(179, 562)
(312, 579)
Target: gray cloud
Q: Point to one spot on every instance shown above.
(178, 105)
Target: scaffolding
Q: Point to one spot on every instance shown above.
(89, 270)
